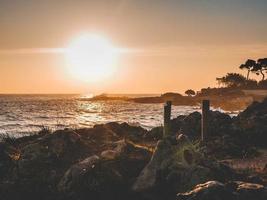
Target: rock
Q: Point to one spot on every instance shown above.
(174, 168)
(113, 131)
(106, 177)
(124, 130)
(92, 178)
(221, 124)
(190, 125)
(41, 164)
(252, 122)
(48, 151)
(74, 174)
(230, 191)
(154, 134)
(130, 159)
(119, 148)
(148, 177)
(212, 190)
(33, 166)
(249, 191)
(109, 154)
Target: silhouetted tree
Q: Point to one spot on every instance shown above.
(262, 66)
(190, 92)
(248, 65)
(232, 80)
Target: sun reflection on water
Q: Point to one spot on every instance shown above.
(29, 114)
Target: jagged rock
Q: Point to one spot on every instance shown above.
(105, 177)
(230, 191)
(74, 174)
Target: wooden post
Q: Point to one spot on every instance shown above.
(205, 119)
(167, 118)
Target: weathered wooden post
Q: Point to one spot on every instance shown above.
(205, 119)
(167, 118)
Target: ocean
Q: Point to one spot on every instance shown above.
(26, 114)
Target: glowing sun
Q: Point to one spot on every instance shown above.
(91, 58)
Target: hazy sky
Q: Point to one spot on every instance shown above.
(181, 43)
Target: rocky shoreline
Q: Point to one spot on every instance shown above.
(119, 161)
(231, 101)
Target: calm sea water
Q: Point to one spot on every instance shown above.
(25, 114)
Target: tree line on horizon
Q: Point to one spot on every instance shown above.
(238, 81)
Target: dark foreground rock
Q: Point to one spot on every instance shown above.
(108, 176)
(72, 164)
(214, 190)
(253, 122)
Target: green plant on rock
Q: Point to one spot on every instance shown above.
(189, 153)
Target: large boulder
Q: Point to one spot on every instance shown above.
(108, 176)
(92, 178)
(231, 191)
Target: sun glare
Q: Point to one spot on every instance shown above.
(91, 58)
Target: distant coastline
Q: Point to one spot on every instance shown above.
(226, 99)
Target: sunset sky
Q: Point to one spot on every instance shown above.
(165, 45)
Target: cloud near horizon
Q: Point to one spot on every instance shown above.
(189, 50)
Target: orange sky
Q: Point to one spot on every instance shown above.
(181, 44)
